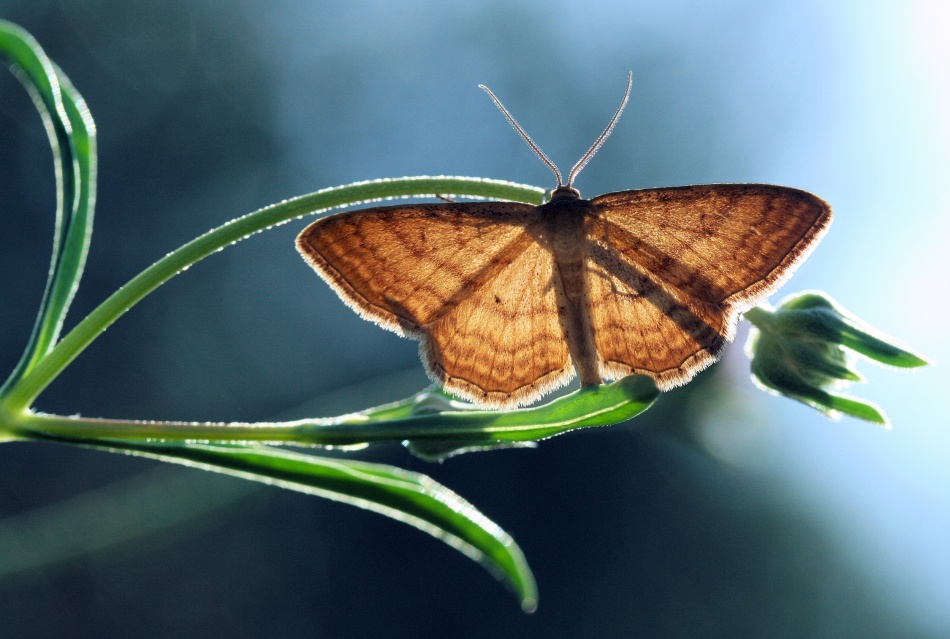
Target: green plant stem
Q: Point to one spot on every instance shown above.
(24, 393)
(593, 406)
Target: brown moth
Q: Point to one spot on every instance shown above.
(509, 299)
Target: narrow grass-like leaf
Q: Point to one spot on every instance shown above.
(856, 407)
(588, 407)
(71, 134)
(603, 405)
(406, 496)
(886, 350)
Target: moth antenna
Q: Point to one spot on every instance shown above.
(592, 151)
(527, 138)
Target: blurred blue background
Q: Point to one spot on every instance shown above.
(722, 512)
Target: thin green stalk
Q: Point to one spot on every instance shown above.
(592, 406)
(30, 386)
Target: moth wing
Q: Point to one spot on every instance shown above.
(472, 281)
(671, 269)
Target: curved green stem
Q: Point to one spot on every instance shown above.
(52, 364)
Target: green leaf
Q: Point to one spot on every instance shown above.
(72, 138)
(405, 496)
(855, 407)
(468, 429)
(592, 406)
(862, 339)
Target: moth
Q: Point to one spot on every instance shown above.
(511, 300)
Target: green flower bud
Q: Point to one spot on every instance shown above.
(805, 348)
